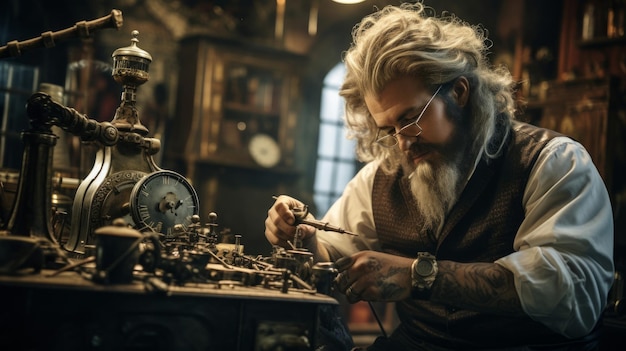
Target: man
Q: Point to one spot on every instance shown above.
(487, 233)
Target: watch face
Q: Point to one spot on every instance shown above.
(424, 267)
(162, 200)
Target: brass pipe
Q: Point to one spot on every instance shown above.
(82, 29)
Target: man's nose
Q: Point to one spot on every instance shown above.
(404, 142)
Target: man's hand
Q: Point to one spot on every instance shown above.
(374, 276)
(279, 224)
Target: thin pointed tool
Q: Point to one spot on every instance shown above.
(323, 226)
(301, 213)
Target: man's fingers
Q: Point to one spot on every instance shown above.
(342, 281)
(344, 263)
(352, 295)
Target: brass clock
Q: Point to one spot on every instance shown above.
(161, 200)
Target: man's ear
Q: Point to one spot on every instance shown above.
(460, 91)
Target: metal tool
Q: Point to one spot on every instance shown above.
(301, 213)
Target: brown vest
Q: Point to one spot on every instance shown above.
(481, 227)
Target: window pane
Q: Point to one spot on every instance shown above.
(345, 172)
(322, 202)
(336, 154)
(323, 176)
(346, 149)
(335, 76)
(327, 146)
(331, 106)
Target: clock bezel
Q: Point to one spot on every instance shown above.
(138, 197)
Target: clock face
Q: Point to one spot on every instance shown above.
(264, 150)
(162, 200)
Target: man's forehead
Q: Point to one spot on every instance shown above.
(397, 96)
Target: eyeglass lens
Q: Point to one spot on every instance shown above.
(412, 129)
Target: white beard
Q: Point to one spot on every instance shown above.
(436, 190)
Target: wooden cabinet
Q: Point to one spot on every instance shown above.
(233, 134)
(228, 93)
(593, 39)
(592, 112)
(586, 99)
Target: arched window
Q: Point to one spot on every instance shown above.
(335, 154)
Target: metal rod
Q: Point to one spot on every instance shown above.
(49, 39)
(301, 213)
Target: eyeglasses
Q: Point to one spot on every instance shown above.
(410, 130)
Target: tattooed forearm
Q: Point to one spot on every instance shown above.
(483, 286)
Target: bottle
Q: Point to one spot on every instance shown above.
(588, 22)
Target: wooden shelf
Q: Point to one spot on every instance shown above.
(601, 42)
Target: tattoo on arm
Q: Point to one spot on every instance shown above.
(385, 281)
(389, 289)
(485, 287)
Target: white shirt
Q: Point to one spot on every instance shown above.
(563, 259)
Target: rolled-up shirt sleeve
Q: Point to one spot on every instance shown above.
(563, 259)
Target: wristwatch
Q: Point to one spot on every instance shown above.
(423, 274)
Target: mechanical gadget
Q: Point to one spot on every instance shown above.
(139, 269)
(104, 194)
